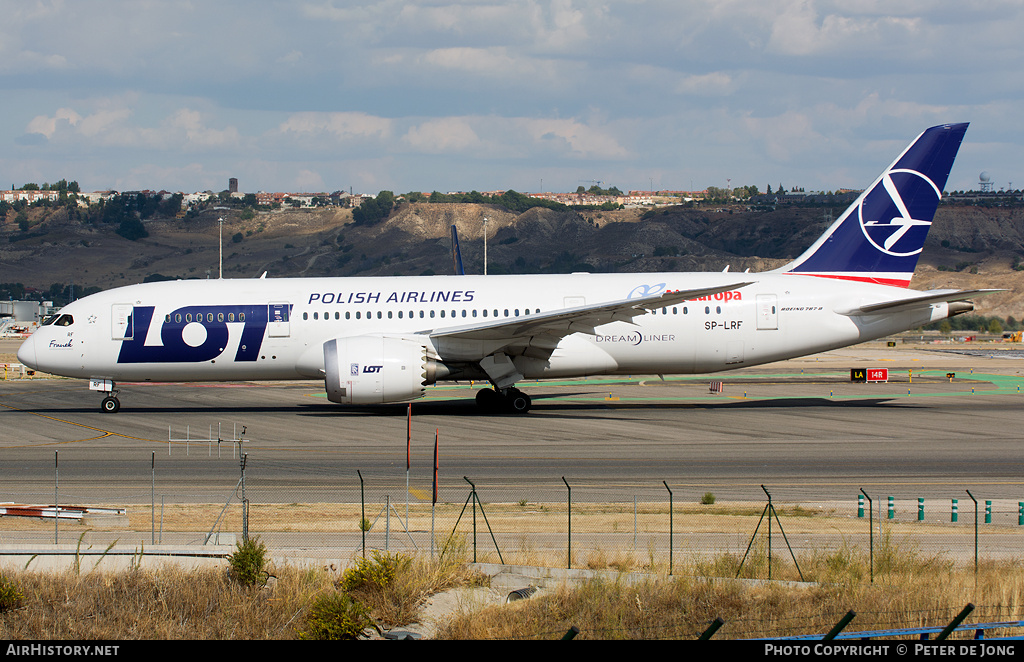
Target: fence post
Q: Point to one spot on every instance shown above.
(871, 534)
(152, 500)
(362, 511)
(567, 487)
(245, 502)
(975, 534)
(56, 503)
(670, 526)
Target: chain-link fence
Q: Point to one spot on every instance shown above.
(302, 511)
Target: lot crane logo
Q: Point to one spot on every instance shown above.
(888, 223)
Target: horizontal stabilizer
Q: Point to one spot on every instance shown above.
(923, 299)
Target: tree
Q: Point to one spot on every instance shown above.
(132, 228)
(995, 328)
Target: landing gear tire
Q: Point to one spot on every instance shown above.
(517, 401)
(110, 405)
(511, 401)
(488, 400)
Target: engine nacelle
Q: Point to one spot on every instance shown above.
(365, 370)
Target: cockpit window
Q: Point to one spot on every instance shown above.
(58, 320)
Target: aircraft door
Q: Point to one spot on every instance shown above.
(121, 327)
(767, 312)
(278, 324)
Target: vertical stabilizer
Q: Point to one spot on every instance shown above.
(879, 237)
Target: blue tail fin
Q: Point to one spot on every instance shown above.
(880, 236)
(456, 254)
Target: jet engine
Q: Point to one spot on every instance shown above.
(363, 370)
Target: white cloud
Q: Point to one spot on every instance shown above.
(342, 126)
(444, 135)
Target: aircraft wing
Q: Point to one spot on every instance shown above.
(921, 299)
(566, 321)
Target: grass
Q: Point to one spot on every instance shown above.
(910, 588)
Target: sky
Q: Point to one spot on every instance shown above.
(325, 95)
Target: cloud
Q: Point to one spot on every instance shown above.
(444, 135)
(342, 126)
(47, 126)
(573, 138)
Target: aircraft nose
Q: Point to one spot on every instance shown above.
(27, 352)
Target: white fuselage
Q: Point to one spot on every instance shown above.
(216, 330)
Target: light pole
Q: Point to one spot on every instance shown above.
(485, 245)
(221, 245)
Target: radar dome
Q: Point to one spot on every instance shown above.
(984, 177)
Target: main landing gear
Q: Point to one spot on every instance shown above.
(510, 400)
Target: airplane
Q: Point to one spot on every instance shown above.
(374, 340)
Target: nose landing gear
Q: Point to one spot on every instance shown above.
(110, 404)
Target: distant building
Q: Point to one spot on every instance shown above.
(233, 185)
(29, 196)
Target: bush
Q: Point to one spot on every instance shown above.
(10, 595)
(248, 563)
(379, 571)
(707, 499)
(335, 617)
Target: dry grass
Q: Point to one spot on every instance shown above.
(171, 603)
(909, 590)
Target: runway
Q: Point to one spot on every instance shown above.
(800, 427)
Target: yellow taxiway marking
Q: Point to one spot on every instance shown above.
(103, 433)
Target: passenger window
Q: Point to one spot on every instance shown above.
(442, 313)
(220, 317)
(231, 317)
(432, 314)
(316, 316)
(177, 318)
(348, 315)
(241, 317)
(358, 315)
(209, 317)
(305, 316)
(167, 319)
(389, 314)
(379, 315)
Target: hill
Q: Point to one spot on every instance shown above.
(968, 246)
